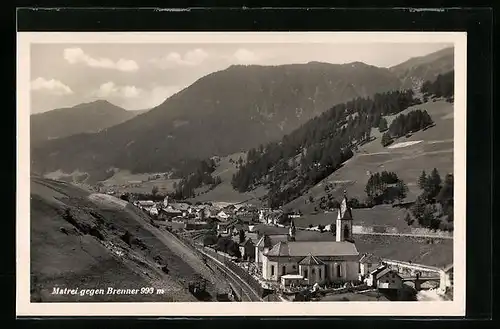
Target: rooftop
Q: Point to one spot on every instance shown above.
(311, 260)
(316, 248)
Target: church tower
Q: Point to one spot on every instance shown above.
(344, 221)
(291, 231)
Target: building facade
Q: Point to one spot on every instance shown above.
(316, 261)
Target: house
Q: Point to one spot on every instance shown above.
(446, 278)
(225, 227)
(169, 213)
(235, 228)
(368, 263)
(247, 249)
(246, 218)
(165, 202)
(153, 211)
(384, 278)
(181, 206)
(222, 215)
(145, 204)
(316, 261)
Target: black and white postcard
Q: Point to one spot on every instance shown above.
(241, 173)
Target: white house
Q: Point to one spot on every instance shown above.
(384, 278)
(368, 263)
(222, 215)
(153, 211)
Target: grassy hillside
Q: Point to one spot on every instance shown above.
(224, 192)
(433, 150)
(79, 240)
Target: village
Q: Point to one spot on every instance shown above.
(272, 253)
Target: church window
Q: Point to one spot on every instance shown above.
(283, 270)
(339, 270)
(346, 232)
(306, 274)
(313, 272)
(319, 272)
(272, 269)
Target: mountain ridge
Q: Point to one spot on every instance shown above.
(249, 104)
(82, 118)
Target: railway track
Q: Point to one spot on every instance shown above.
(246, 292)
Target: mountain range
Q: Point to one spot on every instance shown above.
(83, 118)
(225, 112)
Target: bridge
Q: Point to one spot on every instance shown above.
(417, 273)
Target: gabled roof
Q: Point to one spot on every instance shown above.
(379, 269)
(384, 272)
(370, 258)
(311, 260)
(180, 206)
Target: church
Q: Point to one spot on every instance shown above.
(310, 262)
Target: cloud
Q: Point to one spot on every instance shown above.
(77, 55)
(134, 98)
(111, 90)
(245, 56)
(55, 87)
(191, 58)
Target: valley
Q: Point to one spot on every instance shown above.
(238, 179)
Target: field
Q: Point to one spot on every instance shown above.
(78, 240)
(224, 192)
(383, 215)
(432, 148)
(126, 182)
(432, 252)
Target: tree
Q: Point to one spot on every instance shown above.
(402, 190)
(333, 228)
(386, 139)
(154, 190)
(433, 185)
(242, 236)
(408, 219)
(382, 125)
(418, 208)
(422, 180)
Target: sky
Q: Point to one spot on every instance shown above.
(142, 76)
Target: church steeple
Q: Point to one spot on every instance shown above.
(344, 221)
(291, 231)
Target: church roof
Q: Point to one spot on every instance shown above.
(311, 260)
(269, 241)
(316, 248)
(279, 249)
